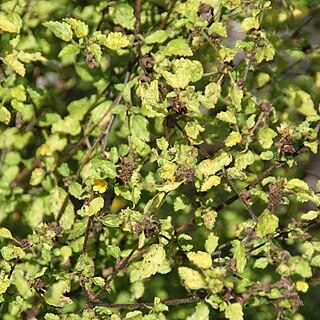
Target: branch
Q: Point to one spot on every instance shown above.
(24, 173)
(138, 17)
(265, 174)
(164, 22)
(63, 207)
(122, 265)
(86, 235)
(254, 217)
(3, 150)
(113, 117)
(151, 304)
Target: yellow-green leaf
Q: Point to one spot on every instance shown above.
(267, 223)
(61, 30)
(249, 23)
(211, 166)
(10, 22)
(116, 41)
(192, 278)
(95, 206)
(211, 243)
(5, 233)
(152, 261)
(233, 139)
(5, 115)
(234, 311)
(239, 255)
(200, 259)
(266, 136)
(12, 61)
(79, 27)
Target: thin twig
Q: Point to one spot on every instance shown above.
(63, 207)
(3, 151)
(138, 17)
(151, 304)
(116, 102)
(249, 64)
(164, 22)
(182, 228)
(254, 217)
(24, 173)
(122, 265)
(86, 235)
(106, 134)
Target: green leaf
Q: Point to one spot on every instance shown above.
(211, 243)
(19, 93)
(267, 223)
(200, 259)
(311, 215)
(233, 139)
(249, 23)
(70, 50)
(158, 36)
(243, 160)
(266, 155)
(301, 267)
(265, 137)
(28, 57)
(116, 41)
(111, 220)
(210, 182)
(185, 71)
(37, 176)
(218, 28)
(68, 125)
(11, 252)
(191, 278)
(234, 311)
(212, 93)
(123, 15)
(202, 312)
(227, 116)
(95, 206)
(4, 285)
(304, 103)
(236, 96)
(298, 184)
(210, 167)
(12, 61)
(152, 261)
(61, 30)
(51, 316)
(193, 130)
(114, 251)
(5, 233)
(53, 144)
(239, 255)
(139, 127)
(103, 169)
(261, 263)
(11, 22)
(95, 49)
(54, 295)
(21, 285)
(177, 47)
(5, 115)
(79, 27)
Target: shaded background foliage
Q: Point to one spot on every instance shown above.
(153, 156)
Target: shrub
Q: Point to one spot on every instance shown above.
(152, 159)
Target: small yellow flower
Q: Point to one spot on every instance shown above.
(100, 185)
